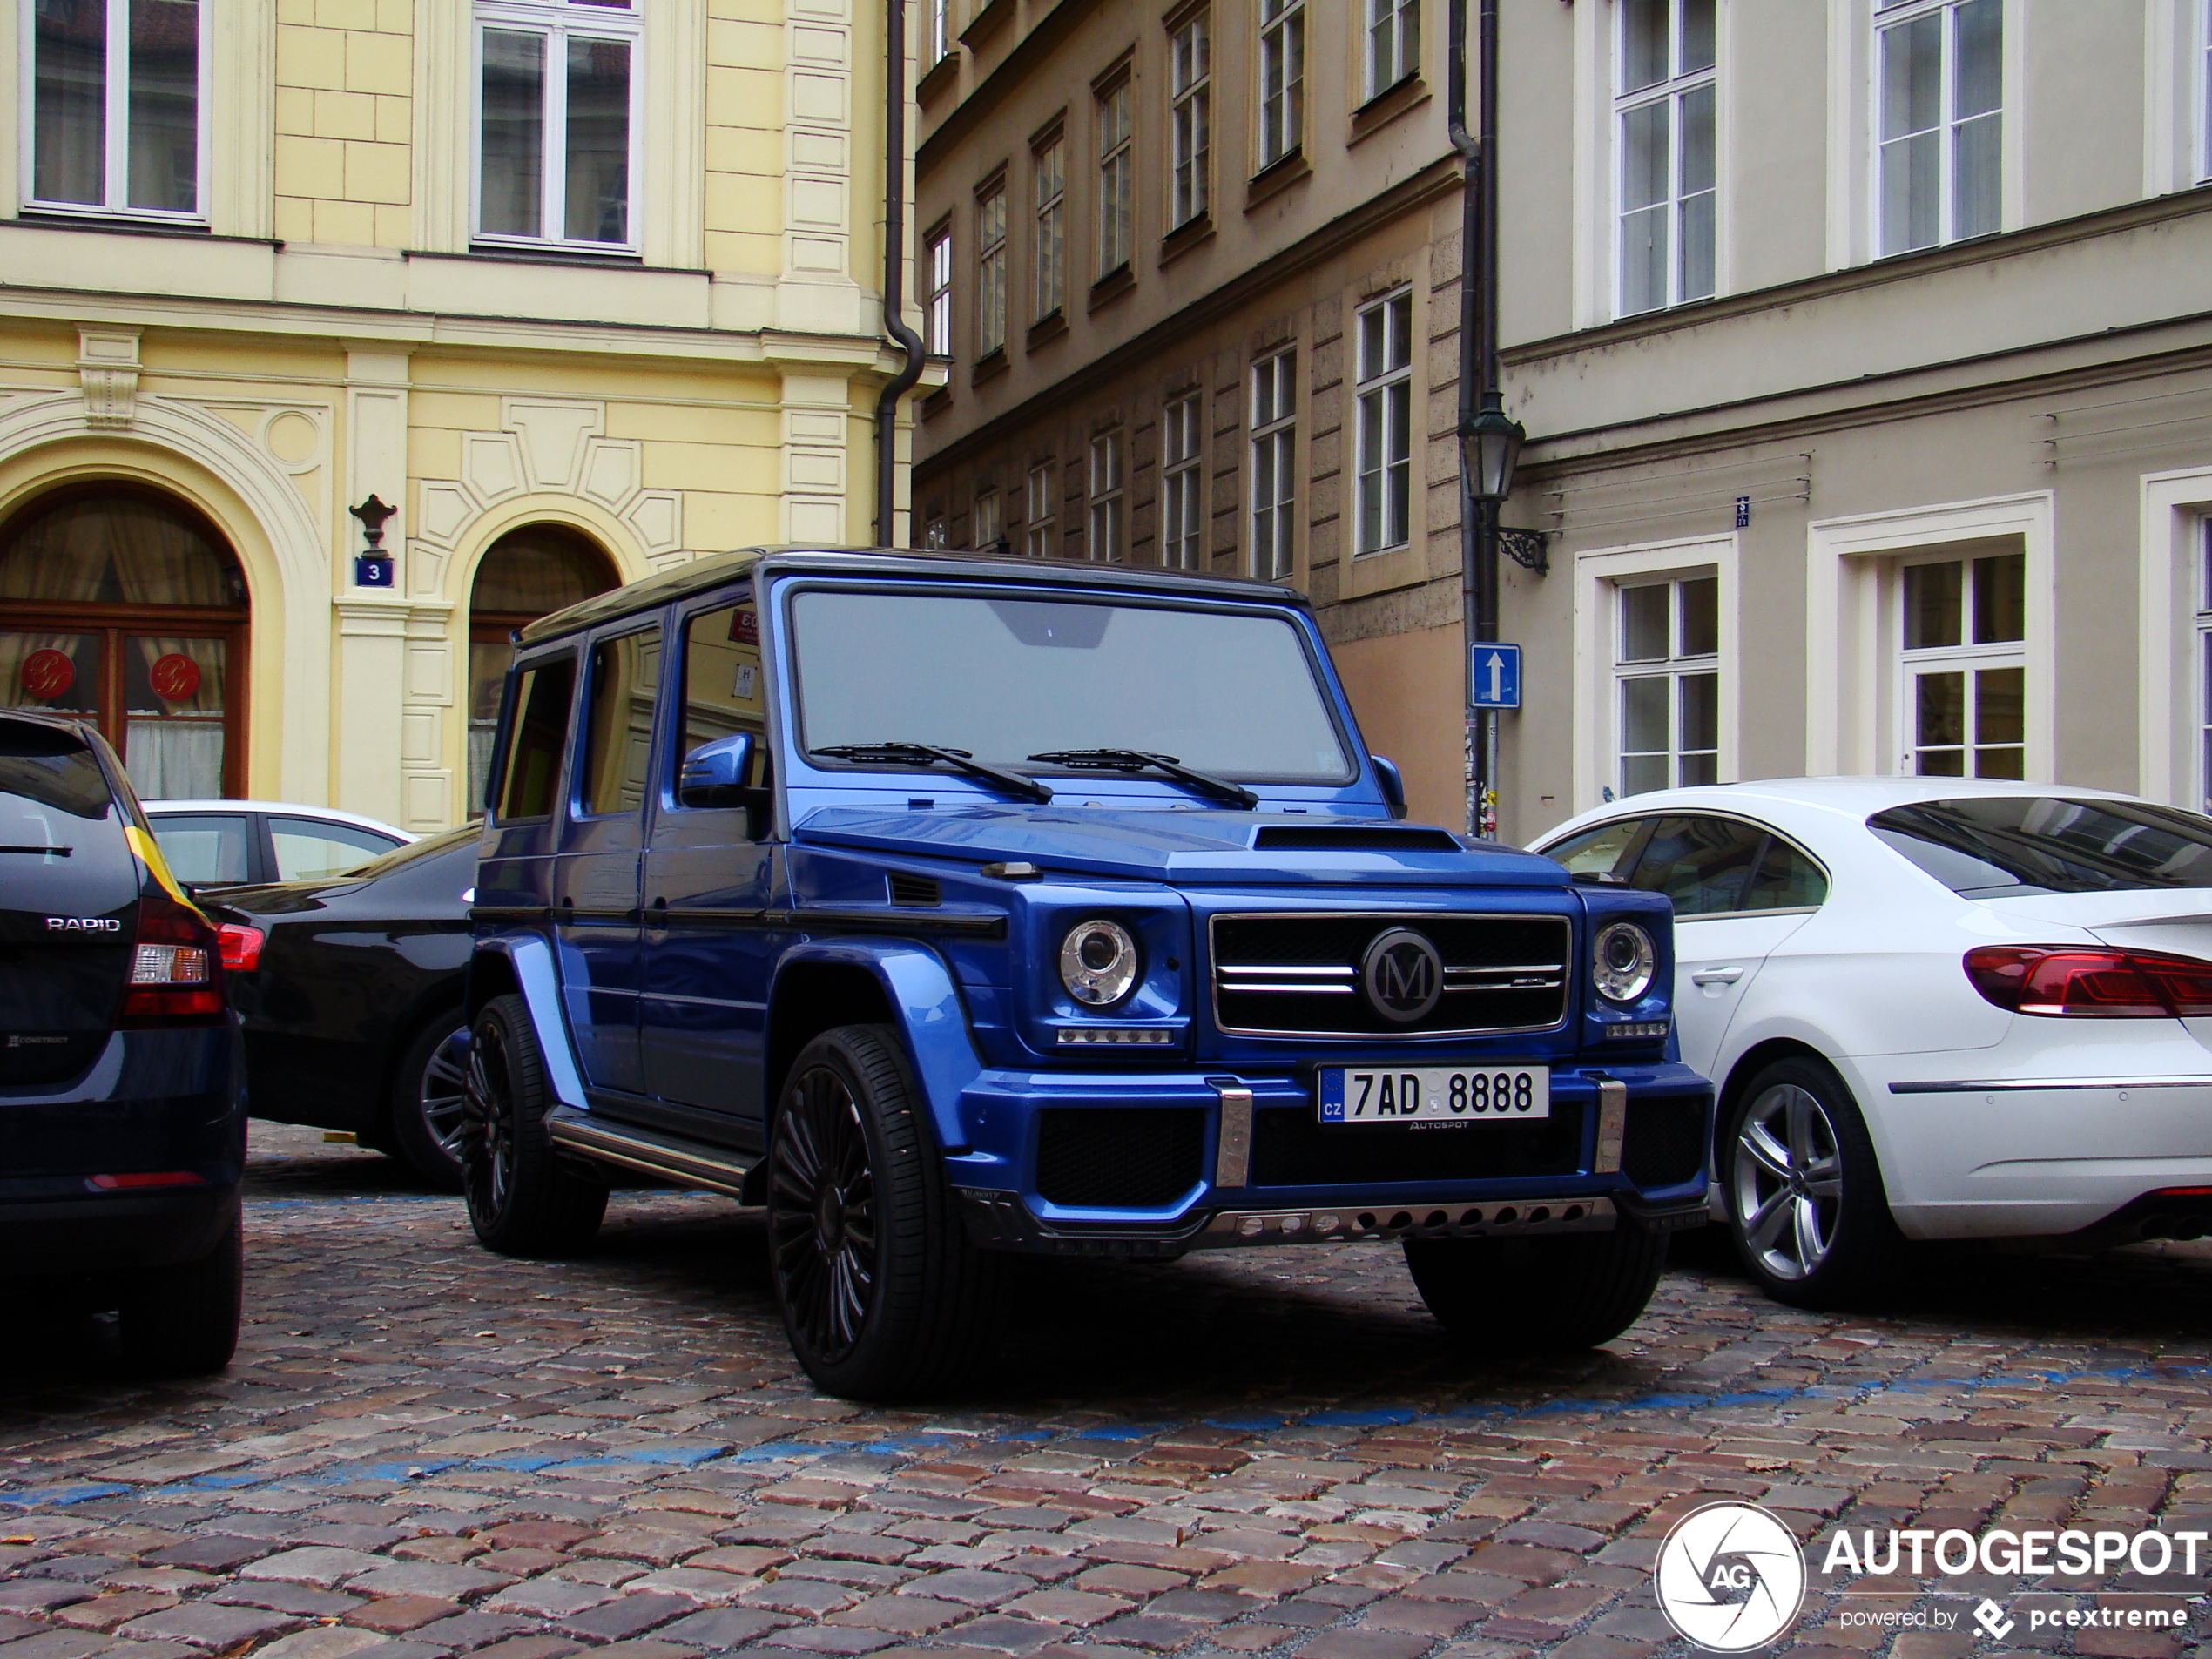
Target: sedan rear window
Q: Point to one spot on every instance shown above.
(2005, 846)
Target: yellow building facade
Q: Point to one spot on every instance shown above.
(579, 290)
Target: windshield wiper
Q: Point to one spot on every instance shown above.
(924, 754)
(1138, 760)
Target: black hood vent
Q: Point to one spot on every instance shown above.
(1322, 838)
(917, 890)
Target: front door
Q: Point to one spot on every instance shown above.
(708, 884)
(595, 883)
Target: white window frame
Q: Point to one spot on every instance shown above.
(1043, 516)
(1965, 658)
(1116, 175)
(115, 104)
(2172, 689)
(1282, 55)
(937, 308)
(556, 21)
(1600, 574)
(1049, 248)
(1947, 123)
(987, 522)
(1182, 517)
(1106, 541)
(990, 268)
(1390, 44)
(1677, 667)
(1190, 121)
(1670, 90)
(1274, 428)
(940, 44)
(1375, 384)
(1853, 633)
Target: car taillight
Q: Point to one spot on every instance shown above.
(240, 947)
(176, 972)
(2093, 982)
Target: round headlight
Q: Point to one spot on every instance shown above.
(1098, 963)
(1622, 962)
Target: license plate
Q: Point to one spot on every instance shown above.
(1435, 1094)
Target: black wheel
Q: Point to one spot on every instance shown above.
(1539, 1295)
(429, 1111)
(524, 1198)
(1806, 1208)
(183, 1321)
(883, 1296)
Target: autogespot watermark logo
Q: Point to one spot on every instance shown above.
(1731, 1577)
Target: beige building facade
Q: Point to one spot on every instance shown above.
(576, 289)
(1863, 346)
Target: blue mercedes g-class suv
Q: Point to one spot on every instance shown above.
(949, 905)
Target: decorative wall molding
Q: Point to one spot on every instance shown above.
(107, 366)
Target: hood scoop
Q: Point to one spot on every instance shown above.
(1359, 838)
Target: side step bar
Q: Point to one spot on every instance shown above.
(686, 1162)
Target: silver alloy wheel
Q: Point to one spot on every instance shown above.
(443, 1093)
(1788, 1180)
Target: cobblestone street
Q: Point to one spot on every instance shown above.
(423, 1449)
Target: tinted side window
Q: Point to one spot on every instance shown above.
(62, 847)
(1702, 864)
(534, 745)
(618, 727)
(205, 851)
(1602, 851)
(723, 693)
(1787, 880)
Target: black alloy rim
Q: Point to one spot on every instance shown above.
(491, 1102)
(444, 1095)
(822, 1215)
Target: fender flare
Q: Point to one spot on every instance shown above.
(926, 1006)
(530, 959)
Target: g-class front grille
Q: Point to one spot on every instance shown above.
(1119, 1157)
(1365, 975)
(1664, 1144)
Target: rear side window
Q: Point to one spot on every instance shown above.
(62, 846)
(540, 732)
(618, 729)
(2005, 846)
(1787, 880)
(1702, 864)
(206, 850)
(307, 848)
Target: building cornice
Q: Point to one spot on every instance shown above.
(1439, 178)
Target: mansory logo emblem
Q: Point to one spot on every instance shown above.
(1401, 975)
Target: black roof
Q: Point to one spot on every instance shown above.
(716, 568)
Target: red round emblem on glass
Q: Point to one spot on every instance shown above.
(47, 673)
(175, 678)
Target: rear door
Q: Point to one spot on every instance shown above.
(310, 849)
(69, 890)
(602, 842)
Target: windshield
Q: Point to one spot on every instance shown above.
(2008, 846)
(1227, 692)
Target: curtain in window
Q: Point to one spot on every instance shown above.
(126, 548)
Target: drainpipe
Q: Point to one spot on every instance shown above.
(1485, 219)
(894, 270)
(1471, 582)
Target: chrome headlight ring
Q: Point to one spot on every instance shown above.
(1623, 960)
(1098, 962)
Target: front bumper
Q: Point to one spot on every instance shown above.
(1235, 1159)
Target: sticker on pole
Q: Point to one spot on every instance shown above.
(1493, 677)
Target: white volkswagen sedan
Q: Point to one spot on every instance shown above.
(1932, 1008)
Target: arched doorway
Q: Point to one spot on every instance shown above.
(528, 573)
(127, 609)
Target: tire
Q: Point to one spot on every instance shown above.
(524, 1197)
(1806, 1208)
(429, 1109)
(183, 1321)
(1539, 1295)
(882, 1296)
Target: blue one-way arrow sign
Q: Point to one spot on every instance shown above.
(1493, 677)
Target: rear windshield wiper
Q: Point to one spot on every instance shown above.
(48, 852)
(924, 754)
(1138, 760)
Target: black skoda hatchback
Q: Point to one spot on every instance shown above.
(122, 1110)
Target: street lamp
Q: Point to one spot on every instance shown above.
(1489, 449)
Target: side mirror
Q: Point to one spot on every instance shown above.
(1393, 782)
(717, 773)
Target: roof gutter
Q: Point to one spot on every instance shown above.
(894, 272)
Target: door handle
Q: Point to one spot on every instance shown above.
(564, 911)
(656, 913)
(1716, 976)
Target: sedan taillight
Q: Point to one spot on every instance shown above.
(2093, 982)
(241, 946)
